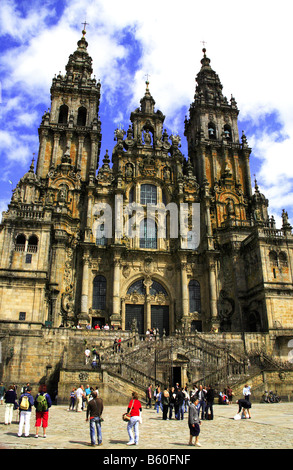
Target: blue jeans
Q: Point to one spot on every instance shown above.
(95, 424)
(158, 406)
(201, 405)
(180, 411)
(133, 423)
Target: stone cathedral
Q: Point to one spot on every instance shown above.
(78, 248)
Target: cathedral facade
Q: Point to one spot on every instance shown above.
(146, 238)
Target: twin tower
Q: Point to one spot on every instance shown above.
(64, 268)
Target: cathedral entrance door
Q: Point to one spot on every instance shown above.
(134, 312)
(160, 318)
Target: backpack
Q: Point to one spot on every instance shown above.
(24, 404)
(42, 404)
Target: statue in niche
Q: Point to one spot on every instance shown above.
(167, 173)
(50, 198)
(129, 170)
(147, 137)
(62, 195)
(230, 208)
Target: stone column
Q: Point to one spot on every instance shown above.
(185, 293)
(247, 175)
(116, 288)
(213, 293)
(148, 313)
(93, 162)
(123, 313)
(42, 150)
(79, 152)
(147, 309)
(55, 149)
(84, 317)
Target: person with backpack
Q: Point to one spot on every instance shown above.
(26, 401)
(42, 404)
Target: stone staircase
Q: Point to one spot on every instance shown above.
(139, 362)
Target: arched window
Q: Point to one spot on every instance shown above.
(212, 131)
(157, 288)
(99, 293)
(273, 258)
(194, 296)
(32, 246)
(148, 194)
(148, 234)
(101, 240)
(228, 132)
(283, 260)
(20, 242)
(131, 195)
(137, 287)
(81, 117)
(63, 114)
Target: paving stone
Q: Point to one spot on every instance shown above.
(271, 427)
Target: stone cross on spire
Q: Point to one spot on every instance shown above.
(85, 24)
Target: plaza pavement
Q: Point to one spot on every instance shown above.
(271, 427)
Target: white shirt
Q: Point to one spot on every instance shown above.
(246, 391)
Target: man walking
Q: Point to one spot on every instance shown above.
(94, 412)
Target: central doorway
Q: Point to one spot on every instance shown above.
(135, 312)
(147, 305)
(160, 318)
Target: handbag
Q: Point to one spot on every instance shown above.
(127, 416)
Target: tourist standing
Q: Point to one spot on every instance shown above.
(87, 355)
(210, 402)
(72, 399)
(42, 404)
(194, 421)
(149, 396)
(79, 398)
(172, 398)
(2, 392)
(26, 402)
(88, 392)
(179, 404)
(94, 413)
(134, 408)
(246, 392)
(186, 399)
(158, 399)
(10, 401)
(230, 395)
(165, 403)
(202, 401)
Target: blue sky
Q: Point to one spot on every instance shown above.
(249, 46)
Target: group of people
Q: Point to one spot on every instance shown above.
(92, 356)
(198, 403)
(24, 406)
(176, 401)
(151, 333)
(80, 396)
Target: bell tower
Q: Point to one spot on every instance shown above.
(71, 130)
(220, 159)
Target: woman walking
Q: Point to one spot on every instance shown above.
(134, 408)
(193, 421)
